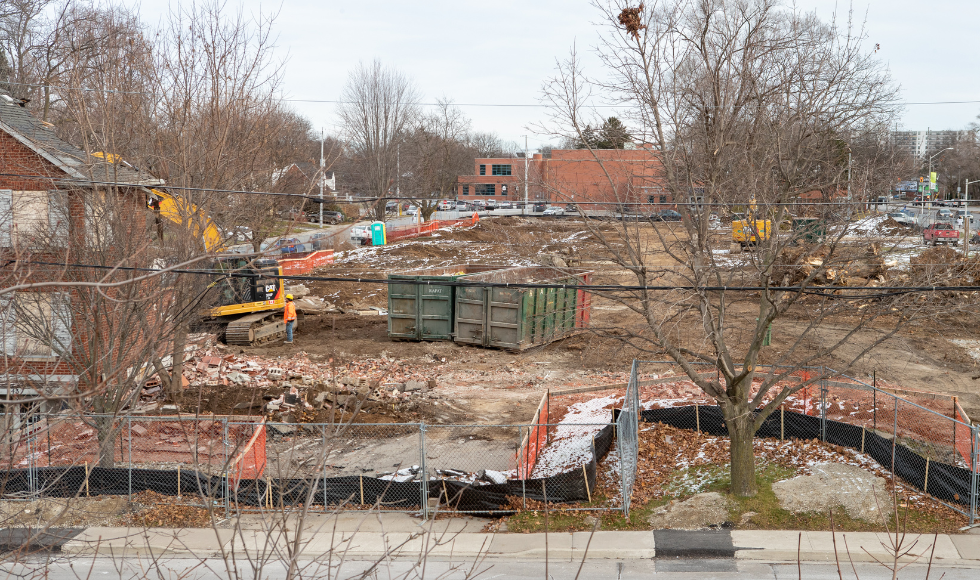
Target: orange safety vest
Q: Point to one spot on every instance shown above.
(289, 313)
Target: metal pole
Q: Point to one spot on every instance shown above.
(323, 445)
(894, 434)
(823, 404)
(973, 485)
(224, 448)
(874, 398)
(525, 175)
(425, 476)
(130, 436)
(322, 177)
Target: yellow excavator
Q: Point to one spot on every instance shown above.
(246, 297)
(749, 231)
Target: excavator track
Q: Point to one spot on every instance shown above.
(253, 329)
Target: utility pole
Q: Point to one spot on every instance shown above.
(966, 216)
(525, 174)
(398, 176)
(323, 176)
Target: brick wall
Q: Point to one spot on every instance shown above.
(21, 169)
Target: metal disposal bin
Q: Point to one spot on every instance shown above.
(418, 311)
(521, 318)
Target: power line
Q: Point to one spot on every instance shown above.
(336, 198)
(828, 291)
(436, 104)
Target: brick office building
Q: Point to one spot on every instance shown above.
(56, 211)
(573, 176)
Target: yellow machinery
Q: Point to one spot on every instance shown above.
(749, 231)
(247, 296)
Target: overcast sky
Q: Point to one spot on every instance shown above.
(501, 52)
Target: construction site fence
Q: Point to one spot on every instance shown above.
(233, 464)
(426, 229)
(924, 439)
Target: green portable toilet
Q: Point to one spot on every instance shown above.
(419, 310)
(810, 229)
(378, 237)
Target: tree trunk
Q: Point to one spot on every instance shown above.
(742, 432)
(107, 442)
(177, 370)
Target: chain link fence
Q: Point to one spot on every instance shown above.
(237, 464)
(925, 439)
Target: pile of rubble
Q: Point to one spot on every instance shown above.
(315, 305)
(842, 267)
(294, 388)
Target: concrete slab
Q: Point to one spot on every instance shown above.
(693, 544)
(532, 546)
(967, 546)
(781, 546)
(367, 521)
(449, 546)
(32, 540)
(152, 541)
(770, 540)
(356, 545)
(613, 545)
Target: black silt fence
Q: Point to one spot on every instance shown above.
(946, 482)
(578, 484)
(574, 485)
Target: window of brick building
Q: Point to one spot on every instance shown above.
(500, 169)
(483, 170)
(466, 190)
(485, 189)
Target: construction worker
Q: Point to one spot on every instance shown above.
(289, 317)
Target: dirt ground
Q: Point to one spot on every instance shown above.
(936, 352)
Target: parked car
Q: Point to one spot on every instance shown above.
(944, 215)
(539, 207)
(360, 235)
(412, 210)
(960, 215)
(329, 217)
(504, 205)
(941, 233)
(553, 212)
(446, 205)
(667, 215)
(902, 218)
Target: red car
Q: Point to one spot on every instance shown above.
(941, 233)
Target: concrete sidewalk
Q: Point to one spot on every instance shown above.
(442, 542)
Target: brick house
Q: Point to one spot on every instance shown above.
(572, 176)
(53, 199)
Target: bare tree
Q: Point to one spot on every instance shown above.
(378, 107)
(748, 105)
(437, 152)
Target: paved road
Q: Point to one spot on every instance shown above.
(65, 568)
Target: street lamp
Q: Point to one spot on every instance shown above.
(940, 152)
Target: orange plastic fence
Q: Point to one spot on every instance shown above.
(527, 454)
(250, 463)
(306, 263)
(426, 229)
(963, 437)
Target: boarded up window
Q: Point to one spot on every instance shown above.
(36, 324)
(30, 217)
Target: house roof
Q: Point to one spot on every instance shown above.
(40, 137)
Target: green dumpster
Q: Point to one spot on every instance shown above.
(810, 229)
(419, 311)
(519, 318)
